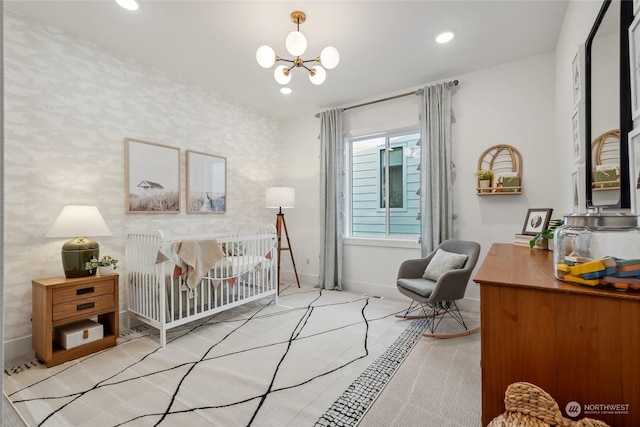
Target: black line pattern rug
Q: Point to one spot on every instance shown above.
(317, 358)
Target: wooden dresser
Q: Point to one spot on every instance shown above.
(580, 344)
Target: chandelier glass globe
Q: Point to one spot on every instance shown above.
(265, 56)
(296, 43)
(280, 76)
(329, 57)
(317, 75)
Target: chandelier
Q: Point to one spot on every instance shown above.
(296, 44)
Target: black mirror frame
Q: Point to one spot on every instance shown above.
(626, 123)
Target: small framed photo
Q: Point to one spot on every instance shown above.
(536, 221)
(577, 133)
(634, 64)
(578, 186)
(578, 75)
(152, 177)
(206, 183)
(634, 170)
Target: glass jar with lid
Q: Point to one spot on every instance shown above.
(598, 249)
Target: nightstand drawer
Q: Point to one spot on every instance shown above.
(84, 307)
(86, 290)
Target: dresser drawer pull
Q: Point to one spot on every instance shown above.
(85, 306)
(83, 291)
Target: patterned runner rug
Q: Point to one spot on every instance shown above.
(317, 358)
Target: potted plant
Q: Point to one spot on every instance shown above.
(106, 265)
(484, 179)
(547, 234)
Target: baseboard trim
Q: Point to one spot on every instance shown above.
(466, 304)
(374, 289)
(21, 347)
(289, 276)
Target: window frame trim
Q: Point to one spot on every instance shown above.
(348, 184)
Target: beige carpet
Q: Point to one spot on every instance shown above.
(258, 364)
(439, 385)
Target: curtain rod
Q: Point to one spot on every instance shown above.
(450, 84)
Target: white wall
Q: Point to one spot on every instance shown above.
(69, 106)
(300, 168)
(509, 104)
(577, 24)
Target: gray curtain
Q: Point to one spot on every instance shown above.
(436, 201)
(331, 199)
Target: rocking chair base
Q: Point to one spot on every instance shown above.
(455, 335)
(422, 316)
(436, 313)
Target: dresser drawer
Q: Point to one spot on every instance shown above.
(83, 308)
(82, 291)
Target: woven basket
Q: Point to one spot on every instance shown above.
(527, 405)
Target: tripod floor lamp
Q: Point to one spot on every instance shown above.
(282, 197)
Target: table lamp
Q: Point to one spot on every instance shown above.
(282, 197)
(82, 221)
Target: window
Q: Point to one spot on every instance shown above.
(395, 170)
(384, 179)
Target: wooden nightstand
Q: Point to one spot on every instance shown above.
(58, 301)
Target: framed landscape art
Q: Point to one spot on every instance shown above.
(578, 75)
(206, 183)
(577, 133)
(152, 177)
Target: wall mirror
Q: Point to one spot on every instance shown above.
(608, 106)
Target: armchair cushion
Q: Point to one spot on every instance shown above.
(422, 287)
(442, 262)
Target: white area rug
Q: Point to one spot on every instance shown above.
(264, 365)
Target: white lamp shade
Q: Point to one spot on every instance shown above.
(296, 43)
(329, 57)
(265, 56)
(75, 221)
(319, 76)
(280, 76)
(280, 197)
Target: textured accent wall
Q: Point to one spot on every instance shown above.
(69, 104)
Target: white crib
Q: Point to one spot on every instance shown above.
(158, 295)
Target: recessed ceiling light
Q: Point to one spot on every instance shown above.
(285, 90)
(128, 4)
(444, 37)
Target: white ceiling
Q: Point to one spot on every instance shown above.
(386, 47)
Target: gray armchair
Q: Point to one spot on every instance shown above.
(436, 297)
